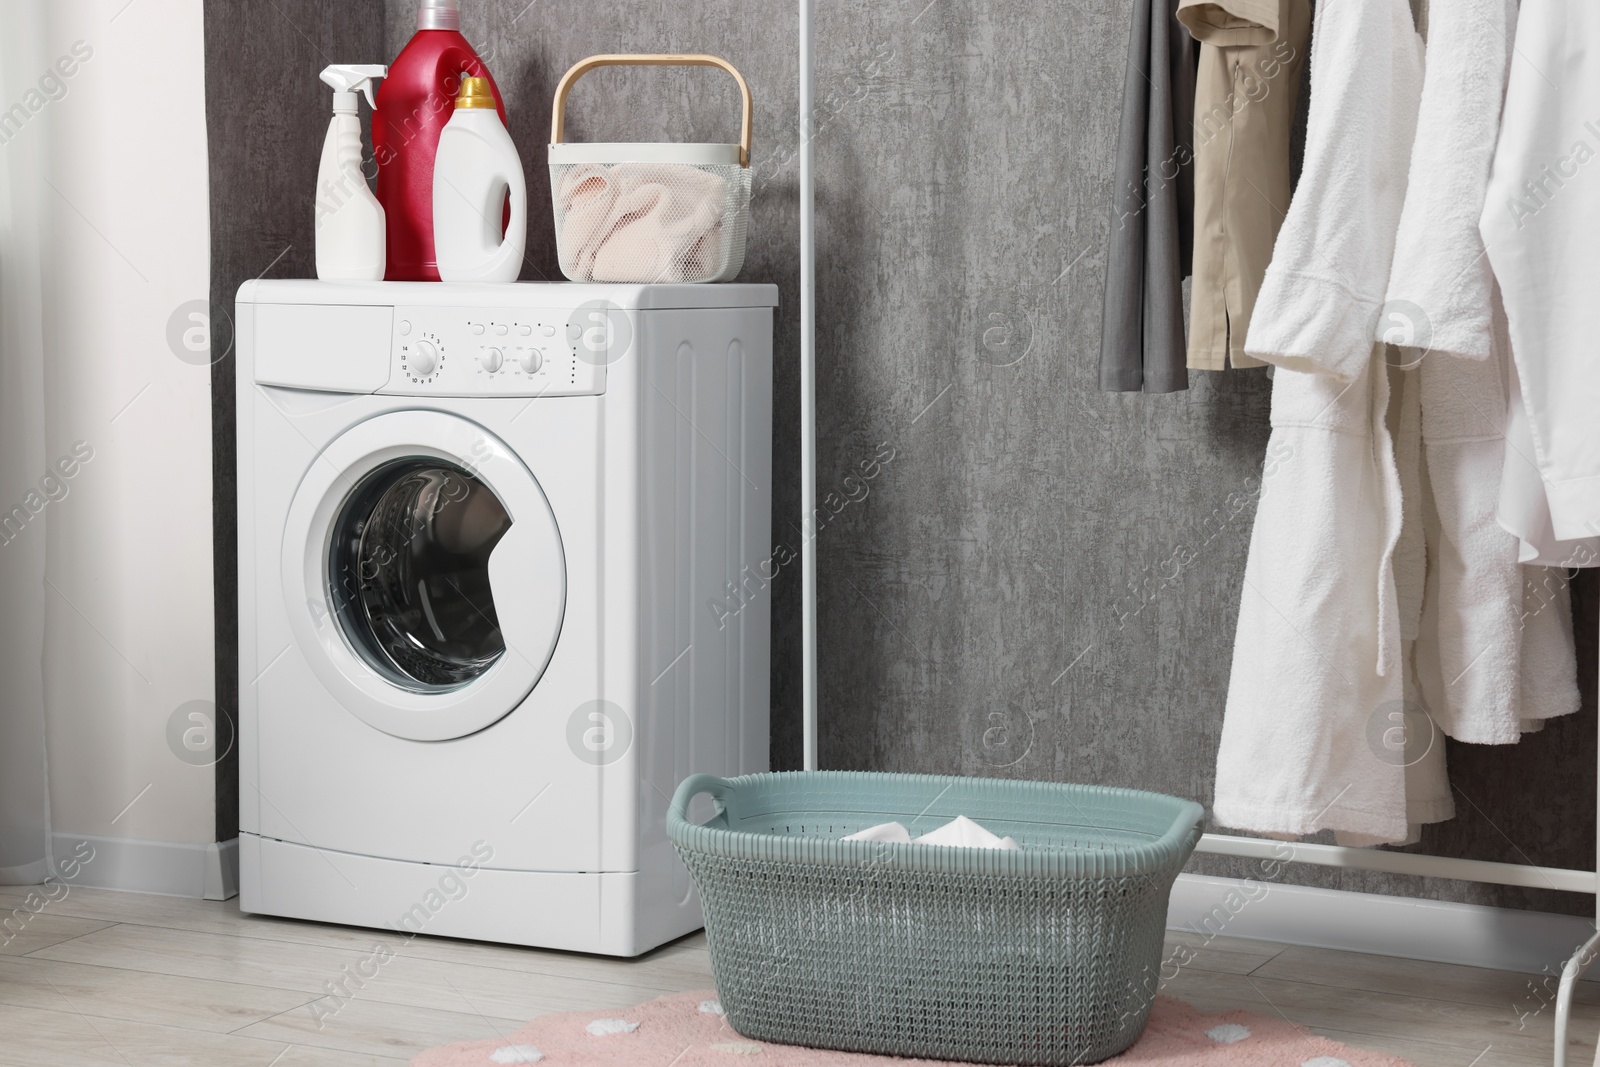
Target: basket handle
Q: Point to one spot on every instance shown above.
(692, 787)
(558, 113)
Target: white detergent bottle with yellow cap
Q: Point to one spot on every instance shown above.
(476, 173)
(349, 219)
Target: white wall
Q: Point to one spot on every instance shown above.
(129, 633)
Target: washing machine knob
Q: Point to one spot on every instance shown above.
(491, 359)
(425, 360)
(532, 360)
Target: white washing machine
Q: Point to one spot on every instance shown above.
(486, 540)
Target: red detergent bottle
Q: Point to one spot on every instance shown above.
(414, 103)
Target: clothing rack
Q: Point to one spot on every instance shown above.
(1365, 859)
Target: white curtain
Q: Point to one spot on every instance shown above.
(24, 133)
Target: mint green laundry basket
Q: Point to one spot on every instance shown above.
(1049, 955)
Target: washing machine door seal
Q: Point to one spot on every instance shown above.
(474, 525)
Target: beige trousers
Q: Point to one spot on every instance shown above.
(1251, 56)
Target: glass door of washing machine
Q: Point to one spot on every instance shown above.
(423, 575)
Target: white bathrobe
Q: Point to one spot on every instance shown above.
(1495, 651)
(1541, 224)
(1440, 276)
(1476, 635)
(1474, 651)
(1318, 683)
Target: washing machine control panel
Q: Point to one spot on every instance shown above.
(446, 351)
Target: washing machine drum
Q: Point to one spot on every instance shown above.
(424, 575)
(409, 573)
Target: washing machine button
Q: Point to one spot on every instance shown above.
(477, 328)
(405, 327)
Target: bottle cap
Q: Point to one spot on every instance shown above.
(439, 15)
(474, 93)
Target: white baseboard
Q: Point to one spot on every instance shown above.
(1440, 931)
(171, 868)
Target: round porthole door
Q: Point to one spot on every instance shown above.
(424, 575)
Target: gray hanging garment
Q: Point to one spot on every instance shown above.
(1152, 212)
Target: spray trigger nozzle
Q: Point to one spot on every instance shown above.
(350, 78)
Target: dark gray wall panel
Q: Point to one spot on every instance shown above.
(266, 114)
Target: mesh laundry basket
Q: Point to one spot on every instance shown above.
(649, 212)
(1049, 955)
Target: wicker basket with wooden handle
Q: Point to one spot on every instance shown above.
(649, 213)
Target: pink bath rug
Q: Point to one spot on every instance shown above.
(689, 1030)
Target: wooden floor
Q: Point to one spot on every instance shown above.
(102, 977)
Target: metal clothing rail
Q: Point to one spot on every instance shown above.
(1368, 859)
(1515, 874)
(808, 404)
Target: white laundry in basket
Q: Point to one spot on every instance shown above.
(637, 222)
(960, 832)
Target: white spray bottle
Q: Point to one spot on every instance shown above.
(350, 241)
(476, 173)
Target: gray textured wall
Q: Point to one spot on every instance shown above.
(1004, 600)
